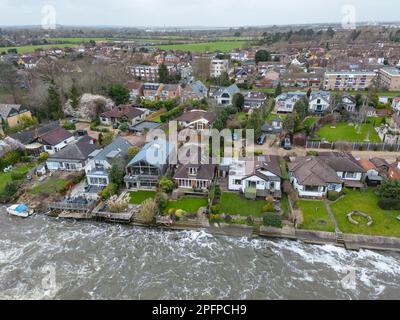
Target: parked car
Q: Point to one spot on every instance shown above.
(261, 140)
(287, 144)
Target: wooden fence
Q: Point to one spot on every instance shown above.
(353, 146)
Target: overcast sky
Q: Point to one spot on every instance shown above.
(216, 13)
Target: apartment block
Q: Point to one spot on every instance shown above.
(218, 67)
(389, 78)
(348, 80)
(146, 73)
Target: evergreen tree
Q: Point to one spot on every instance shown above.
(278, 90)
(54, 102)
(74, 96)
(163, 75)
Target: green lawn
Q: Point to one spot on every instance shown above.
(315, 216)
(384, 222)
(50, 185)
(139, 196)
(6, 177)
(285, 207)
(273, 116)
(31, 48)
(346, 132)
(204, 46)
(188, 204)
(235, 204)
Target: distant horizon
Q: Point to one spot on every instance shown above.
(201, 13)
(371, 22)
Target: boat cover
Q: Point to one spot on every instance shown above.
(21, 208)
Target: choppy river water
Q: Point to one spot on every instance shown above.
(44, 258)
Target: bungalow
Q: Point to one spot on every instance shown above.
(194, 91)
(262, 173)
(97, 167)
(12, 115)
(123, 114)
(56, 140)
(254, 100)
(315, 176)
(145, 169)
(319, 101)
(224, 95)
(73, 157)
(197, 119)
(286, 101)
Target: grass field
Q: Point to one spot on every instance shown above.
(204, 46)
(315, 216)
(384, 222)
(140, 196)
(346, 132)
(79, 40)
(50, 185)
(6, 177)
(188, 204)
(30, 49)
(234, 204)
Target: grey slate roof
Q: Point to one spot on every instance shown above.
(76, 151)
(155, 153)
(118, 148)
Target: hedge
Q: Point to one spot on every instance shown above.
(272, 220)
(333, 195)
(389, 204)
(173, 113)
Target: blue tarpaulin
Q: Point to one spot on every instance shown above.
(21, 208)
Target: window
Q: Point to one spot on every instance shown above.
(238, 182)
(350, 175)
(312, 189)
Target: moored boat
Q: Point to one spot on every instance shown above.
(20, 210)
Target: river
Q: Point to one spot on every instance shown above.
(46, 258)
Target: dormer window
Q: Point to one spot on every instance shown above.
(192, 171)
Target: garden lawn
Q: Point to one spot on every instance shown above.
(140, 196)
(6, 177)
(235, 204)
(50, 185)
(309, 121)
(315, 216)
(345, 132)
(188, 204)
(384, 222)
(204, 46)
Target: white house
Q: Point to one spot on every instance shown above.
(285, 102)
(97, 168)
(224, 95)
(262, 173)
(396, 104)
(319, 101)
(218, 67)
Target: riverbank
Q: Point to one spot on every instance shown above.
(349, 241)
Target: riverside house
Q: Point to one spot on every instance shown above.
(146, 168)
(73, 157)
(286, 101)
(56, 140)
(97, 167)
(224, 95)
(262, 173)
(123, 113)
(315, 176)
(319, 102)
